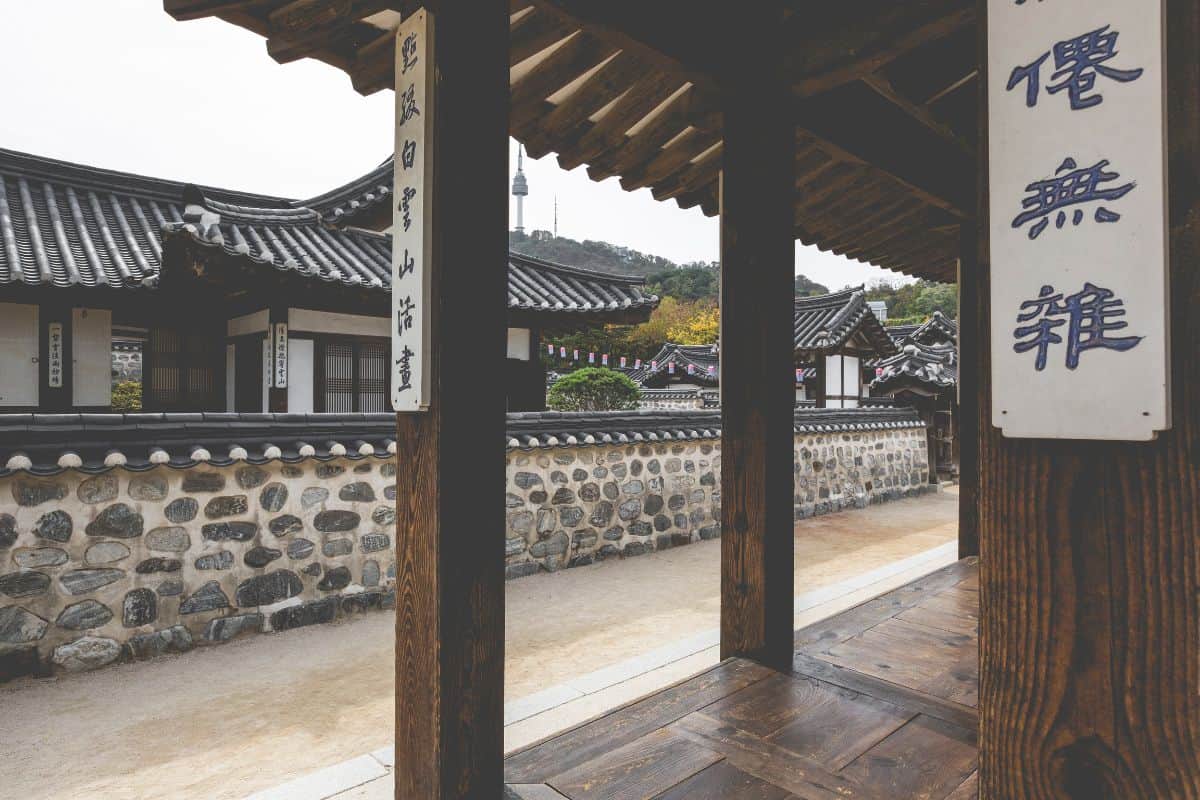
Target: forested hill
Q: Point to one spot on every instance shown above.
(695, 280)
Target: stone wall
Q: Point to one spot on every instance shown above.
(574, 505)
(149, 557)
(128, 565)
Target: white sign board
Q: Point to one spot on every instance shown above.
(280, 361)
(54, 370)
(411, 223)
(1078, 212)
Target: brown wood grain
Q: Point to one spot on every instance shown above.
(757, 387)
(1090, 630)
(722, 781)
(925, 758)
(450, 598)
(639, 770)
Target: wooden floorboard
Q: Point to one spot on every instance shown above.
(880, 705)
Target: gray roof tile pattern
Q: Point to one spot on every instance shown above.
(347, 203)
(66, 224)
(824, 323)
(699, 356)
(934, 367)
(47, 444)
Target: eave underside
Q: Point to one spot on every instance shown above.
(633, 91)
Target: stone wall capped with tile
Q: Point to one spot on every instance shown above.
(128, 565)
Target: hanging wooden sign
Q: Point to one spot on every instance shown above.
(280, 359)
(1078, 219)
(411, 223)
(54, 354)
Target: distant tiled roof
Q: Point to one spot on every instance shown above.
(47, 444)
(937, 329)
(932, 367)
(824, 323)
(65, 224)
(699, 356)
(348, 203)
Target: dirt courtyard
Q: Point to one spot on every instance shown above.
(220, 723)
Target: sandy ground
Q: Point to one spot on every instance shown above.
(220, 723)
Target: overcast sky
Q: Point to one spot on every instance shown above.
(119, 84)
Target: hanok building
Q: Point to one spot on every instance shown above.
(924, 374)
(836, 335)
(216, 288)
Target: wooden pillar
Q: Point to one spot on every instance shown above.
(971, 334)
(450, 493)
(1090, 635)
(821, 368)
(757, 381)
(277, 397)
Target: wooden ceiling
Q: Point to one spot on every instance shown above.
(885, 97)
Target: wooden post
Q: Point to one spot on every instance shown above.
(757, 382)
(971, 334)
(820, 381)
(449, 493)
(1090, 635)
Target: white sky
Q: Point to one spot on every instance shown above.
(119, 84)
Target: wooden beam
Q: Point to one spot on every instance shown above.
(184, 10)
(757, 386)
(450, 598)
(609, 130)
(1089, 584)
(884, 88)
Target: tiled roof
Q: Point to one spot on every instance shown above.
(351, 202)
(699, 356)
(824, 323)
(936, 330)
(65, 224)
(934, 367)
(46, 444)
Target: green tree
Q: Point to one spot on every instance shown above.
(593, 389)
(805, 287)
(127, 396)
(693, 282)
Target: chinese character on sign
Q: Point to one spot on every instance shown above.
(408, 154)
(1089, 315)
(408, 105)
(55, 367)
(404, 314)
(405, 205)
(1076, 186)
(408, 52)
(1077, 62)
(408, 264)
(404, 366)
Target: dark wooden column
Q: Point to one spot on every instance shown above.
(820, 383)
(277, 398)
(970, 355)
(1090, 636)
(757, 379)
(450, 488)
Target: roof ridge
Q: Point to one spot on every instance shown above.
(581, 272)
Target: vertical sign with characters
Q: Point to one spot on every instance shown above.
(1078, 222)
(411, 225)
(280, 358)
(54, 369)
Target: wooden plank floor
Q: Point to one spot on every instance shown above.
(881, 704)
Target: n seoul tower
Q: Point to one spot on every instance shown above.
(520, 188)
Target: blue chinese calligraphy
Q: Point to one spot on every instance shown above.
(1070, 186)
(1089, 316)
(1077, 62)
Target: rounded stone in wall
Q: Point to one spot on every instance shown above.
(599, 473)
(602, 513)
(285, 525)
(558, 477)
(371, 573)
(169, 539)
(118, 521)
(19, 626)
(386, 515)
(653, 503)
(250, 477)
(298, 549)
(618, 470)
(36, 557)
(633, 487)
(570, 516)
(259, 557)
(24, 584)
(148, 488)
(374, 542)
(388, 470)
(641, 528)
(510, 501)
(555, 545)
(82, 581)
(262, 590)
(184, 509)
(537, 496)
(329, 470)
(227, 506)
(630, 509)
(562, 496)
(151, 565)
(222, 559)
(337, 547)
(335, 579)
(290, 471)
(203, 481)
(521, 522)
(99, 489)
(105, 553)
(29, 493)
(273, 497)
(84, 615)
(389, 492)
(88, 652)
(172, 587)
(661, 522)
(336, 521)
(313, 496)
(313, 569)
(358, 492)
(589, 492)
(8, 530)
(231, 531)
(635, 467)
(57, 526)
(614, 534)
(140, 607)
